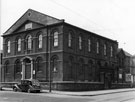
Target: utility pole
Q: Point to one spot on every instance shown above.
(49, 65)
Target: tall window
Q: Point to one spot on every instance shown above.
(17, 66)
(104, 49)
(39, 63)
(55, 64)
(71, 67)
(89, 45)
(90, 70)
(8, 46)
(7, 67)
(97, 47)
(111, 51)
(29, 42)
(81, 71)
(55, 38)
(69, 40)
(19, 44)
(80, 42)
(40, 41)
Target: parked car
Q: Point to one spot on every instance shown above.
(27, 86)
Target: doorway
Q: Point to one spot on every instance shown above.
(27, 68)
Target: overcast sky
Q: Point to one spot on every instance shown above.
(114, 19)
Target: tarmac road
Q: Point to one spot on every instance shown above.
(10, 96)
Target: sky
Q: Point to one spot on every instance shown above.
(114, 19)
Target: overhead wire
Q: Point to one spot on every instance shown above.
(86, 18)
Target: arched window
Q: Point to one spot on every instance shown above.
(40, 41)
(90, 70)
(104, 49)
(18, 44)
(80, 42)
(106, 64)
(69, 39)
(97, 47)
(90, 63)
(39, 64)
(54, 64)
(81, 69)
(29, 42)
(55, 39)
(111, 51)
(17, 66)
(89, 45)
(71, 67)
(7, 67)
(8, 46)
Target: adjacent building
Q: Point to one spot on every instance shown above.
(0, 65)
(124, 66)
(38, 46)
(133, 71)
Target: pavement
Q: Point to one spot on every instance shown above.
(84, 93)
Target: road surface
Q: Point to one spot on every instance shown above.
(10, 96)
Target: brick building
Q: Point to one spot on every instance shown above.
(0, 65)
(133, 70)
(37, 42)
(124, 66)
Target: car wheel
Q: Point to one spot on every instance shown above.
(29, 91)
(38, 91)
(15, 89)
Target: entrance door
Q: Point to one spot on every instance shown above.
(27, 69)
(107, 80)
(102, 76)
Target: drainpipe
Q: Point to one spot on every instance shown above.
(49, 65)
(48, 57)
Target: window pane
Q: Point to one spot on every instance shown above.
(18, 66)
(80, 42)
(97, 47)
(89, 45)
(69, 40)
(54, 65)
(55, 38)
(111, 51)
(29, 43)
(104, 49)
(19, 44)
(8, 47)
(7, 67)
(40, 41)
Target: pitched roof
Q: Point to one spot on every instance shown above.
(125, 52)
(40, 18)
(34, 16)
(119, 49)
